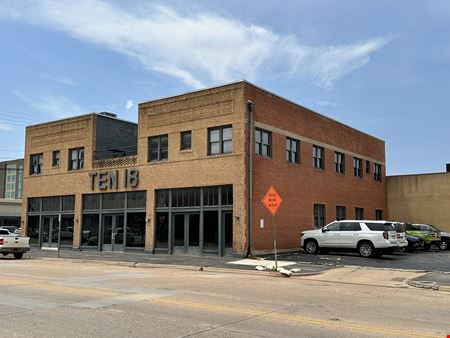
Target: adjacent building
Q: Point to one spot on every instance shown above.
(420, 198)
(11, 176)
(189, 177)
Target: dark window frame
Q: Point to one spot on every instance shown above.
(339, 216)
(339, 161)
(377, 172)
(319, 214)
(259, 145)
(357, 210)
(357, 167)
(367, 167)
(292, 156)
(56, 161)
(36, 163)
(221, 142)
(379, 214)
(318, 154)
(185, 144)
(79, 160)
(161, 155)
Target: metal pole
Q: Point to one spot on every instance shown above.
(59, 235)
(274, 242)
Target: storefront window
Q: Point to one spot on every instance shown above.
(114, 200)
(136, 230)
(136, 199)
(162, 230)
(67, 230)
(33, 229)
(90, 226)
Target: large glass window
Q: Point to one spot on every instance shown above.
(34, 204)
(136, 230)
(67, 230)
(33, 229)
(211, 196)
(187, 197)
(20, 182)
(227, 195)
(292, 150)
(50, 203)
(91, 202)
(263, 142)
(115, 200)
(158, 148)
(68, 203)
(211, 230)
(76, 158)
(162, 230)
(10, 186)
(357, 167)
(36, 163)
(162, 198)
(186, 140)
(220, 140)
(89, 230)
(319, 215)
(136, 199)
(339, 161)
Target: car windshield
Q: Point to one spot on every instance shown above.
(380, 226)
(400, 227)
(435, 228)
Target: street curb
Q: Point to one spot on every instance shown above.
(430, 285)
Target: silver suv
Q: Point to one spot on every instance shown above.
(369, 238)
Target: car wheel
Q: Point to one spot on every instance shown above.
(443, 245)
(18, 255)
(311, 247)
(366, 249)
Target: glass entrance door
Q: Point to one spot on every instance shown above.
(113, 233)
(186, 233)
(50, 231)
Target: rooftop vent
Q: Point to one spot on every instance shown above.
(105, 113)
(448, 167)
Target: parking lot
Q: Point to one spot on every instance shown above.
(431, 260)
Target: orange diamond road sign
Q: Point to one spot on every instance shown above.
(272, 200)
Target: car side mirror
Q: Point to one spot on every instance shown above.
(324, 230)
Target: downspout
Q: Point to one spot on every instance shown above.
(250, 110)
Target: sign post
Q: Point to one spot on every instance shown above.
(272, 201)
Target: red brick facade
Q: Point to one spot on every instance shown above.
(301, 185)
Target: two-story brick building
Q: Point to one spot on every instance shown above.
(190, 176)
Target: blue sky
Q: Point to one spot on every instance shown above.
(380, 66)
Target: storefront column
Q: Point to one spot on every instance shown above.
(77, 222)
(150, 221)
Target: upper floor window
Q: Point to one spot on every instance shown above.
(220, 140)
(56, 156)
(76, 158)
(186, 140)
(318, 157)
(158, 148)
(263, 142)
(377, 172)
(319, 215)
(367, 167)
(357, 167)
(339, 161)
(292, 150)
(36, 163)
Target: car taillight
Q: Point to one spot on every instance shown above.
(398, 236)
(385, 235)
(1, 241)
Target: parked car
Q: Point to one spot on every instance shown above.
(445, 238)
(401, 235)
(13, 244)
(429, 234)
(369, 238)
(11, 228)
(414, 243)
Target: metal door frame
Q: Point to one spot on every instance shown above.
(113, 246)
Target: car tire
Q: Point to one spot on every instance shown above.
(366, 249)
(443, 245)
(311, 247)
(18, 255)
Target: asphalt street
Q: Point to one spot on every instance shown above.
(47, 297)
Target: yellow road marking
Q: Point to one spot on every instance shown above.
(296, 318)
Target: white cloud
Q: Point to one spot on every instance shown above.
(61, 79)
(200, 48)
(129, 104)
(6, 127)
(52, 105)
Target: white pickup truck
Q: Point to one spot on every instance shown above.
(13, 244)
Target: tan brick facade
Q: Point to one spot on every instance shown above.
(299, 184)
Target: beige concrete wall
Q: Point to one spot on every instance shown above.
(420, 199)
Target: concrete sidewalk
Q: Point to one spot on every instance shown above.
(338, 274)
